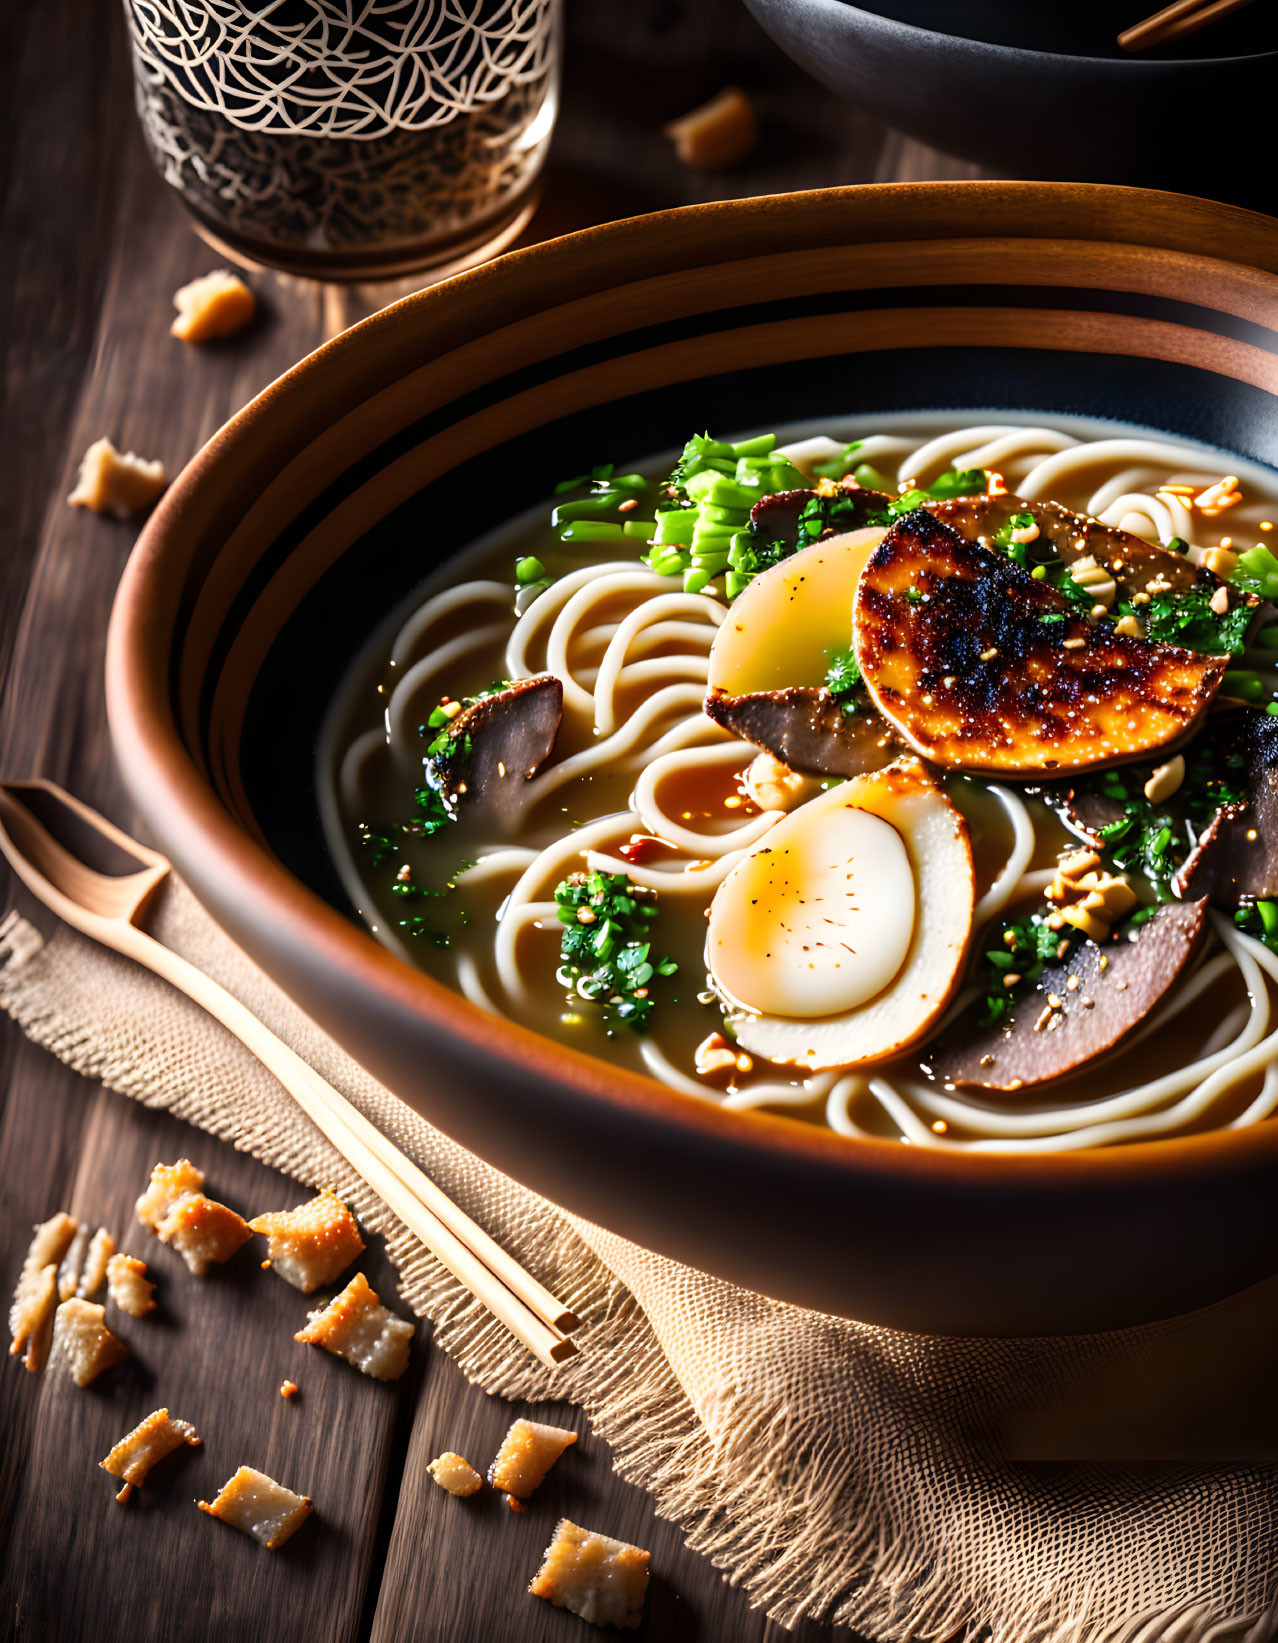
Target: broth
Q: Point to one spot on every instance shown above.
(642, 783)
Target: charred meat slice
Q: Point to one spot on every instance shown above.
(495, 744)
(982, 668)
(807, 729)
(1131, 561)
(1236, 858)
(786, 521)
(1102, 992)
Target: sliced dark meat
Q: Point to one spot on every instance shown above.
(807, 729)
(982, 668)
(776, 518)
(1130, 560)
(1035, 1043)
(1237, 856)
(1087, 811)
(497, 743)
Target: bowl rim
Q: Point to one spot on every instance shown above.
(164, 779)
(1141, 65)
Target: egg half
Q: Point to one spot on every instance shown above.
(840, 938)
(783, 625)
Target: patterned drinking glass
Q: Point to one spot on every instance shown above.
(350, 139)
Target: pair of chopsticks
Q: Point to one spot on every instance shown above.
(109, 908)
(1176, 21)
(513, 1296)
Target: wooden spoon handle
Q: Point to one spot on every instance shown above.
(526, 1308)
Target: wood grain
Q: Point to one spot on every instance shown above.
(95, 246)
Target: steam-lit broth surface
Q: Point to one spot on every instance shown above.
(641, 782)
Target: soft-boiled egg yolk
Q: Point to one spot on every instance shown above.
(818, 924)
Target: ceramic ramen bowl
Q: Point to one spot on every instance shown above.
(323, 503)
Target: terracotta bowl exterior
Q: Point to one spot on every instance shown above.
(325, 500)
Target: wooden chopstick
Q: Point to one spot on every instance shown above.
(549, 1308)
(342, 1124)
(1174, 22)
(531, 1313)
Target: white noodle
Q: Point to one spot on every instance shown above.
(1004, 886)
(631, 650)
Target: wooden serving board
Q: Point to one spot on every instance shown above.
(94, 248)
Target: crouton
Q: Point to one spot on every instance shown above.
(168, 1183)
(215, 305)
(96, 1261)
(129, 1287)
(82, 1343)
(356, 1326)
(456, 1475)
(527, 1453)
(73, 1263)
(202, 1231)
(600, 1579)
(718, 134)
(137, 1452)
(257, 1505)
(36, 1295)
(122, 485)
(310, 1245)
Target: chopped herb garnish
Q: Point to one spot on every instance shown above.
(838, 467)
(1257, 572)
(954, 482)
(604, 947)
(843, 681)
(529, 570)
(434, 810)
(1259, 919)
(1024, 950)
(1187, 619)
(381, 847)
(1155, 839)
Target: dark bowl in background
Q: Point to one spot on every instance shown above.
(1197, 121)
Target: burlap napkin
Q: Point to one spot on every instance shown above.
(1112, 1487)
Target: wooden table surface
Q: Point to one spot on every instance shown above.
(94, 246)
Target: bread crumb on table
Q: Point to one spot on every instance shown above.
(129, 1287)
(455, 1474)
(83, 1269)
(202, 1231)
(94, 1272)
(289, 1389)
(311, 1245)
(356, 1326)
(719, 134)
(36, 1294)
(73, 1263)
(82, 1343)
(257, 1505)
(601, 1579)
(137, 1452)
(115, 483)
(527, 1453)
(214, 305)
(168, 1183)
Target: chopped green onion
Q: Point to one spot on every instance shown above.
(590, 530)
(869, 478)
(528, 570)
(1257, 572)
